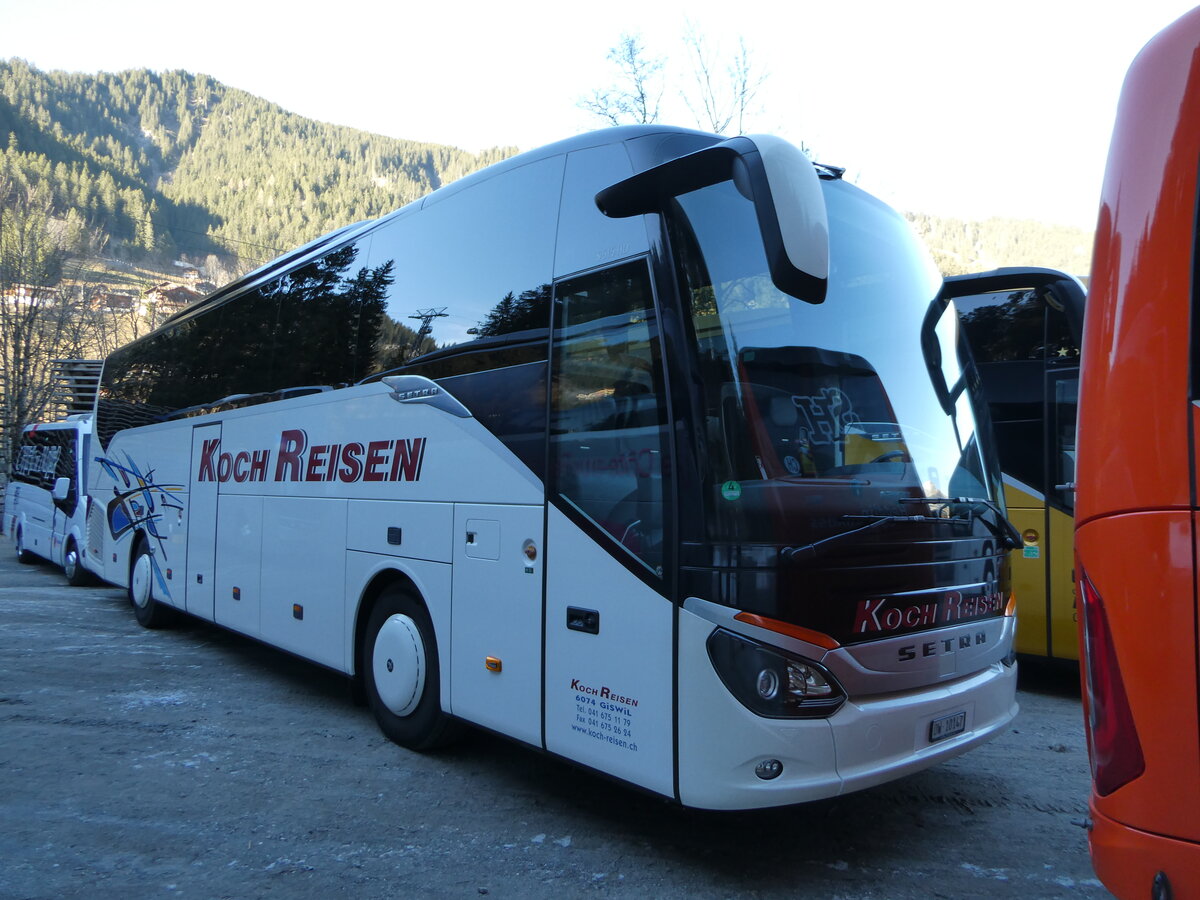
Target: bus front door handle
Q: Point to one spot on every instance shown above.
(585, 620)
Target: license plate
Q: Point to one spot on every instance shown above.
(947, 726)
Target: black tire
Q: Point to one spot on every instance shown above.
(77, 575)
(23, 556)
(150, 613)
(400, 672)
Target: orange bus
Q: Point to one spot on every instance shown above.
(1136, 509)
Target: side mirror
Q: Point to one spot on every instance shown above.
(775, 176)
(61, 490)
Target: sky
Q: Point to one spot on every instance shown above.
(950, 107)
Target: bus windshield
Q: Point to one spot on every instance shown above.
(824, 411)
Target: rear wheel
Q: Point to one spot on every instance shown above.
(400, 672)
(150, 613)
(23, 555)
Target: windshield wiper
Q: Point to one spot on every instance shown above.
(1002, 529)
(808, 551)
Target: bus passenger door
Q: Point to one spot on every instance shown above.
(609, 627)
(201, 527)
(1062, 400)
(496, 638)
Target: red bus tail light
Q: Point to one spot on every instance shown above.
(1113, 745)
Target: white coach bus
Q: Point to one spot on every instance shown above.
(680, 479)
(45, 502)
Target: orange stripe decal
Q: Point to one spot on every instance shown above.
(793, 631)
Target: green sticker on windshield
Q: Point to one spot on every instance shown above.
(731, 490)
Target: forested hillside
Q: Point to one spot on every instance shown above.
(139, 164)
(173, 163)
(959, 247)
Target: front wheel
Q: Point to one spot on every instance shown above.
(77, 575)
(150, 613)
(400, 672)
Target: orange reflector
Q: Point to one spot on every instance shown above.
(1011, 609)
(493, 664)
(794, 631)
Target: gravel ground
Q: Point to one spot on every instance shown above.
(194, 763)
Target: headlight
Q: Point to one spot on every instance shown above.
(770, 682)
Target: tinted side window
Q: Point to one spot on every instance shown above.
(470, 275)
(314, 328)
(511, 403)
(45, 456)
(1064, 411)
(1006, 333)
(1017, 338)
(42, 457)
(468, 300)
(1005, 326)
(608, 432)
(143, 382)
(329, 318)
(586, 237)
(1061, 347)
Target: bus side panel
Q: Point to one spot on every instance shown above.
(1064, 618)
(1027, 511)
(1141, 566)
(238, 582)
(1134, 437)
(34, 511)
(304, 577)
(140, 487)
(496, 667)
(202, 527)
(608, 690)
(402, 528)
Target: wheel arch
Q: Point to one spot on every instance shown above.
(379, 582)
(136, 540)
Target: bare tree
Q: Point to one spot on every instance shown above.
(723, 95)
(725, 99)
(31, 320)
(637, 96)
(47, 305)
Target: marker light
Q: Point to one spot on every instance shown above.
(771, 682)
